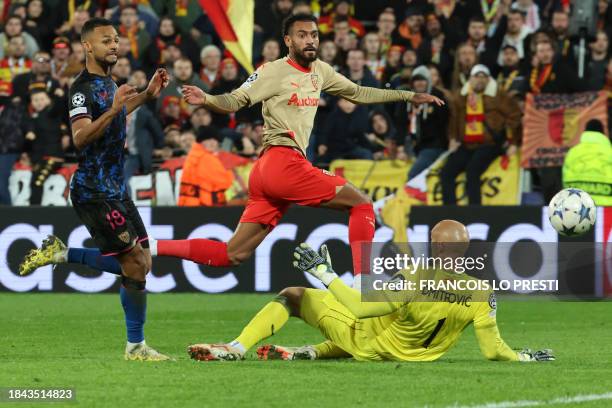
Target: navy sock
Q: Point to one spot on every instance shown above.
(134, 301)
(94, 259)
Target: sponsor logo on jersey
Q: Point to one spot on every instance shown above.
(308, 101)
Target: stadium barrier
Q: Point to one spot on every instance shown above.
(269, 269)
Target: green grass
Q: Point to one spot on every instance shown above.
(51, 340)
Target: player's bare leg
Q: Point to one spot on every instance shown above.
(361, 225)
(135, 264)
(239, 248)
(268, 321)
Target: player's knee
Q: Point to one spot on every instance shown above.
(293, 296)
(135, 264)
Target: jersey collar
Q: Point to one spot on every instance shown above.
(297, 66)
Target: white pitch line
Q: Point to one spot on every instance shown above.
(529, 403)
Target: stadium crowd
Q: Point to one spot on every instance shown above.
(481, 56)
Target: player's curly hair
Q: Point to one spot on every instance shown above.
(289, 21)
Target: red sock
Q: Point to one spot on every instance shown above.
(361, 234)
(202, 251)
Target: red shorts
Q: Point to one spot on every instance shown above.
(281, 177)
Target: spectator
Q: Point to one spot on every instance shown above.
(375, 60)
(588, 165)
(487, 48)
(465, 61)
(510, 78)
(341, 33)
(394, 60)
(301, 7)
(483, 121)
(516, 34)
(172, 139)
(145, 137)
(171, 112)
(59, 61)
(171, 54)
(227, 82)
(436, 80)
(125, 50)
(46, 139)
(343, 136)
(550, 76)
(204, 180)
(560, 35)
(269, 17)
(435, 47)
(342, 10)
(200, 117)
(36, 23)
(531, 11)
(425, 127)
(183, 74)
(13, 127)
(146, 15)
(187, 139)
(14, 28)
(608, 89)
(76, 60)
(121, 71)
(270, 51)
(409, 33)
(132, 28)
(81, 16)
(598, 62)
(13, 64)
(168, 34)
(210, 58)
(381, 135)
(328, 52)
(386, 27)
(355, 62)
(39, 78)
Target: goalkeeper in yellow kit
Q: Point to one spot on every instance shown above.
(416, 329)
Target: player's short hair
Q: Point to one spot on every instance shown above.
(289, 21)
(92, 24)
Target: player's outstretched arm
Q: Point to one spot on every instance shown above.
(225, 103)
(158, 82)
(319, 265)
(86, 131)
(494, 348)
(341, 86)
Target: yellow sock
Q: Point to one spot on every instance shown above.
(268, 321)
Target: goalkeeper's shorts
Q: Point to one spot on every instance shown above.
(320, 309)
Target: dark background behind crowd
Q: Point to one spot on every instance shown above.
(481, 56)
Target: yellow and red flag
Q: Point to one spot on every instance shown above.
(554, 122)
(234, 21)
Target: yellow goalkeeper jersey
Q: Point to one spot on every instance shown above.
(427, 325)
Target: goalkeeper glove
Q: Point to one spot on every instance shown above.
(539, 355)
(317, 264)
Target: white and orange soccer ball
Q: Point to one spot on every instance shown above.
(572, 212)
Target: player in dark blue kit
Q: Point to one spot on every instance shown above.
(98, 110)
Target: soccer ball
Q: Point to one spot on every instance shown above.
(571, 212)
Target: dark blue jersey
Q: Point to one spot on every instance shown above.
(100, 172)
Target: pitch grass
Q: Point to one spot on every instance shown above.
(51, 340)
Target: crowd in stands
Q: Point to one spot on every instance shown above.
(481, 56)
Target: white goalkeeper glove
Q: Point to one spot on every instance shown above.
(317, 264)
(539, 355)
